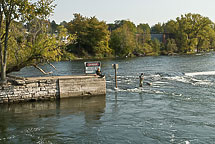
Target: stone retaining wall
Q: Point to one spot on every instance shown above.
(33, 89)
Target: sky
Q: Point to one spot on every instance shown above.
(137, 11)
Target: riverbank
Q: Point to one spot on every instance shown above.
(136, 55)
(54, 87)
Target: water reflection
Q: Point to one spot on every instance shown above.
(42, 121)
(115, 105)
(87, 105)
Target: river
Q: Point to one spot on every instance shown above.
(178, 108)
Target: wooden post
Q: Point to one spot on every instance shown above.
(115, 66)
(115, 77)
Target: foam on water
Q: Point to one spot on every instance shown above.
(110, 90)
(160, 82)
(8, 138)
(203, 83)
(178, 78)
(140, 90)
(189, 80)
(200, 73)
(116, 88)
(156, 86)
(158, 92)
(137, 90)
(122, 76)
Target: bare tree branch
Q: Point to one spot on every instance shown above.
(40, 69)
(51, 65)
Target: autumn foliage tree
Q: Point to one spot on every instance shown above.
(20, 11)
(30, 44)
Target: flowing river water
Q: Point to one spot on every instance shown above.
(178, 108)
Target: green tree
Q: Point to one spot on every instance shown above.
(53, 26)
(194, 32)
(143, 28)
(123, 40)
(157, 28)
(143, 34)
(19, 10)
(118, 23)
(171, 27)
(171, 46)
(156, 46)
(92, 36)
(148, 49)
(65, 24)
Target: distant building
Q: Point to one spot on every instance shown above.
(162, 37)
(159, 37)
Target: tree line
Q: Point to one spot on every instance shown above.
(28, 38)
(189, 33)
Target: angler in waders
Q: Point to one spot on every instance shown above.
(141, 80)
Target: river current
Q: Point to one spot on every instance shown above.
(179, 106)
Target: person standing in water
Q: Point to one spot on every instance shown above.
(141, 80)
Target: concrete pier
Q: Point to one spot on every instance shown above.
(46, 88)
